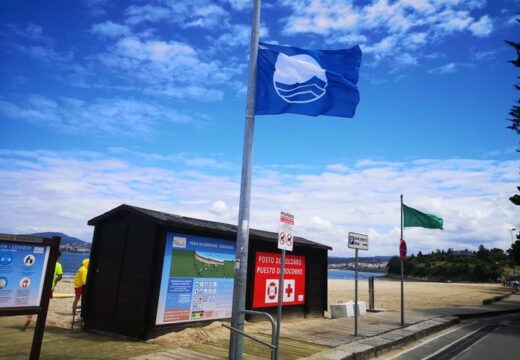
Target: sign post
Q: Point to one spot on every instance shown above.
(285, 242)
(358, 242)
(27, 267)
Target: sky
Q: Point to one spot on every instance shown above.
(104, 103)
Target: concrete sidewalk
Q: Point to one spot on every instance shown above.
(377, 345)
(333, 339)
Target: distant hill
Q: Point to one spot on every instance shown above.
(365, 259)
(68, 243)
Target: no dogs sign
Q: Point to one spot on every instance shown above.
(285, 236)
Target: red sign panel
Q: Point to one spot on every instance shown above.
(402, 249)
(267, 274)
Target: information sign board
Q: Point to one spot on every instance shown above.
(22, 273)
(357, 241)
(197, 279)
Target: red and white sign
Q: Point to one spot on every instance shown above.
(285, 236)
(267, 272)
(271, 291)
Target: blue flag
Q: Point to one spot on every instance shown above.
(307, 82)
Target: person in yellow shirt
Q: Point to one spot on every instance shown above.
(80, 281)
(58, 275)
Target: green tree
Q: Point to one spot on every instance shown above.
(483, 253)
(515, 249)
(480, 272)
(515, 110)
(497, 255)
(394, 265)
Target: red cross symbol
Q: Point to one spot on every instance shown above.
(289, 290)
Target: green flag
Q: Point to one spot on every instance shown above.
(416, 218)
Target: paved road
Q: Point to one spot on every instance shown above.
(487, 338)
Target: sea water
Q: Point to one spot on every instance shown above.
(351, 275)
(70, 263)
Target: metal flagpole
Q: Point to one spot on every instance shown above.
(236, 343)
(402, 267)
(280, 303)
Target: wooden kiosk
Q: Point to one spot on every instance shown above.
(151, 271)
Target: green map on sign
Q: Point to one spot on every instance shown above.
(194, 264)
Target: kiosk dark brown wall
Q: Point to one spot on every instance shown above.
(126, 265)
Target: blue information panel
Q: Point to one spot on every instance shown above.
(197, 279)
(22, 272)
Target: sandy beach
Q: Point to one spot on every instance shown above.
(419, 296)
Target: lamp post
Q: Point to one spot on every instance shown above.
(513, 254)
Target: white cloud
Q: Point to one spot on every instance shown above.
(482, 27)
(170, 68)
(31, 32)
(339, 168)
(485, 55)
(394, 26)
(219, 207)
(102, 116)
(110, 29)
(95, 7)
(446, 68)
(42, 53)
(209, 16)
(406, 59)
(349, 39)
(382, 48)
(239, 4)
(31, 41)
(43, 190)
(452, 21)
(196, 13)
(317, 223)
(146, 13)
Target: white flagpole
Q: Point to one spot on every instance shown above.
(236, 343)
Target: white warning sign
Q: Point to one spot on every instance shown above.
(285, 236)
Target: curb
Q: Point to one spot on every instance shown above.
(486, 313)
(377, 345)
(493, 299)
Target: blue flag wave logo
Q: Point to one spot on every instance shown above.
(299, 78)
(308, 82)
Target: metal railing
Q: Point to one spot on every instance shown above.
(272, 347)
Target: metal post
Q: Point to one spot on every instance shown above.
(513, 255)
(402, 293)
(236, 343)
(402, 267)
(356, 299)
(280, 304)
(44, 305)
(371, 291)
